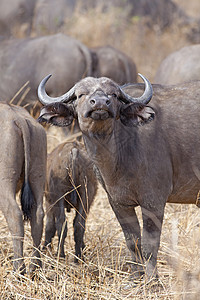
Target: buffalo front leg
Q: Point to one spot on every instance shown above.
(50, 227)
(152, 224)
(130, 225)
(79, 230)
(61, 227)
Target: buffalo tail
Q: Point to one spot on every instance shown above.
(27, 200)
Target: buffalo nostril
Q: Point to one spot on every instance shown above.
(92, 101)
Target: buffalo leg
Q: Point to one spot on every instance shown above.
(152, 224)
(50, 228)
(130, 225)
(14, 220)
(61, 227)
(79, 230)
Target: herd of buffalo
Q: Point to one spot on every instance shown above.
(139, 141)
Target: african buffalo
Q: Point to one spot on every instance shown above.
(112, 63)
(21, 60)
(180, 66)
(71, 183)
(22, 167)
(146, 165)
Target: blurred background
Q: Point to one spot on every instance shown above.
(146, 30)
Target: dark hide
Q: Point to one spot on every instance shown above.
(146, 165)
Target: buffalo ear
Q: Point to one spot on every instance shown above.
(59, 114)
(136, 114)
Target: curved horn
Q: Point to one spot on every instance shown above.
(145, 98)
(45, 99)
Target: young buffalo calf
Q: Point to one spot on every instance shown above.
(71, 183)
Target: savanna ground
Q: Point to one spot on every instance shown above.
(105, 272)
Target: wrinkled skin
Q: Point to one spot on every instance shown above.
(180, 66)
(68, 166)
(146, 165)
(23, 160)
(21, 61)
(114, 64)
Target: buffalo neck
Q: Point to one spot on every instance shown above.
(114, 154)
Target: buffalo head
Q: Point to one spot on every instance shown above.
(97, 103)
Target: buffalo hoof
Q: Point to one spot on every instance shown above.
(35, 264)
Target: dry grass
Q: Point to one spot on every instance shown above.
(105, 273)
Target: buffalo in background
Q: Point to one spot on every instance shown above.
(180, 66)
(22, 168)
(112, 63)
(71, 184)
(30, 59)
